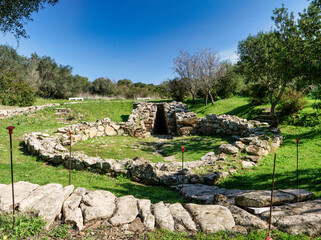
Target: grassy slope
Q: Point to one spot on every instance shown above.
(260, 177)
(26, 168)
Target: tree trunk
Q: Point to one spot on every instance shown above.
(206, 97)
(212, 99)
(193, 95)
(275, 121)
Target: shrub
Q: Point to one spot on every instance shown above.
(291, 102)
(304, 119)
(14, 91)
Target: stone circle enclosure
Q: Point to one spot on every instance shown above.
(251, 137)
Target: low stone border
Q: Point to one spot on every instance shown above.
(81, 207)
(52, 149)
(20, 111)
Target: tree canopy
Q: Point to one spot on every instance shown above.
(15, 14)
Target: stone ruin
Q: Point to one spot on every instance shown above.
(176, 120)
(236, 210)
(233, 210)
(148, 118)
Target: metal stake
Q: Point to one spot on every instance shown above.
(70, 133)
(10, 128)
(270, 222)
(297, 163)
(183, 149)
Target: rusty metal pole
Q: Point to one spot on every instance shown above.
(183, 178)
(297, 163)
(10, 128)
(70, 133)
(271, 204)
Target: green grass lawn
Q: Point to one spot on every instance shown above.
(120, 147)
(260, 176)
(27, 168)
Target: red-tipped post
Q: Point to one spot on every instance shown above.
(10, 128)
(271, 203)
(183, 150)
(297, 163)
(70, 133)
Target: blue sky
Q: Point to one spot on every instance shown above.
(138, 39)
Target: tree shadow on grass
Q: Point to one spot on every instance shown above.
(124, 118)
(248, 111)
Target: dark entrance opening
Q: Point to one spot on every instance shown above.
(160, 125)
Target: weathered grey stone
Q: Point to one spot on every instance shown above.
(228, 149)
(71, 210)
(246, 164)
(93, 132)
(110, 131)
(262, 198)
(126, 211)
(247, 220)
(144, 206)
(182, 217)
(21, 191)
(211, 218)
(27, 204)
(309, 224)
(255, 150)
(98, 205)
(163, 217)
(300, 194)
(49, 207)
(240, 229)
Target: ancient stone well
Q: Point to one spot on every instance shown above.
(160, 119)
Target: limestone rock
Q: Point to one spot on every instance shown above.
(126, 211)
(228, 149)
(98, 205)
(246, 164)
(209, 157)
(262, 198)
(110, 131)
(163, 217)
(211, 218)
(21, 191)
(71, 210)
(247, 220)
(49, 207)
(26, 204)
(144, 206)
(93, 132)
(182, 217)
(255, 150)
(309, 224)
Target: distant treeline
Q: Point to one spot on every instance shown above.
(24, 78)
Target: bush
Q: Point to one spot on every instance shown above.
(177, 89)
(304, 119)
(14, 91)
(291, 102)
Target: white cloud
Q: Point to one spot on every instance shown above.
(229, 55)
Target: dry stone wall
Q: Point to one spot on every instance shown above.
(233, 210)
(20, 111)
(255, 143)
